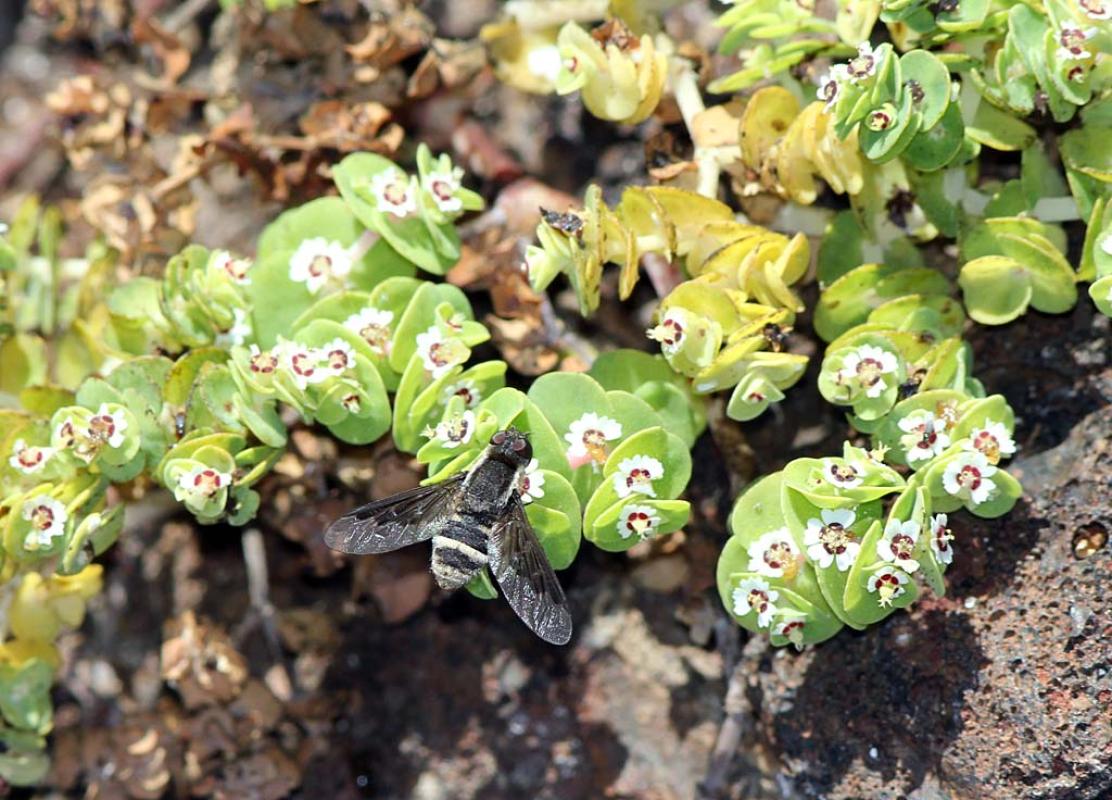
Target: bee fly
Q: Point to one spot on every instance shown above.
(475, 519)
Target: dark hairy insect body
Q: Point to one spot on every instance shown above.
(475, 519)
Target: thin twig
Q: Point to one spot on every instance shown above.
(685, 88)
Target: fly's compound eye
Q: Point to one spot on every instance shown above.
(522, 447)
(498, 438)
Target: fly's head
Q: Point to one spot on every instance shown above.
(511, 446)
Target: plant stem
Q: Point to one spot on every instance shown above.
(685, 88)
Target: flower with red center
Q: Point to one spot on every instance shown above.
(467, 390)
(637, 474)
(234, 268)
(442, 188)
(862, 65)
(373, 325)
(888, 583)
(107, 427)
(867, 366)
(940, 540)
(352, 402)
(897, 545)
(968, 476)
(992, 439)
(262, 362)
(774, 555)
(1096, 9)
(924, 436)
(440, 353)
(843, 476)
(640, 521)
(829, 540)
(303, 364)
(203, 482)
(317, 261)
(587, 438)
(338, 356)
(454, 431)
(754, 594)
(531, 484)
(792, 629)
(830, 85)
(394, 193)
(48, 521)
(29, 459)
(1071, 42)
(671, 330)
(881, 119)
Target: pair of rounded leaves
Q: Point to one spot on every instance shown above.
(851, 298)
(775, 550)
(603, 435)
(426, 237)
(277, 299)
(1010, 263)
(554, 511)
(224, 453)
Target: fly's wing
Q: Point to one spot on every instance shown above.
(521, 568)
(399, 520)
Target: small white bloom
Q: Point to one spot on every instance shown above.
(940, 539)
(1096, 9)
(587, 438)
(671, 330)
(791, 628)
(968, 477)
(201, 483)
(862, 65)
(637, 474)
(754, 594)
(641, 521)
(868, 365)
(238, 333)
(235, 268)
(531, 484)
(262, 362)
(442, 187)
(373, 325)
(468, 390)
(888, 583)
(438, 353)
(1071, 41)
(993, 440)
(924, 436)
(107, 427)
(304, 364)
(774, 555)
(830, 85)
(544, 62)
(394, 193)
(454, 431)
(29, 459)
(898, 544)
(830, 541)
(337, 356)
(843, 476)
(48, 520)
(317, 260)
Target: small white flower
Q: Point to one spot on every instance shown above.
(940, 539)
(637, 474)
(48, 520)
(868, 365)
(898, 544)
(830, 541)
(235, 268)
(671, 330)
(1096, 9)
(843, 476)
(438, 353)
(201, 483)
(304, 364)
(993, 440)
(774, 555)
(337, 356)
(238, 333)
(1071, 41)
(262, 362)
(544, 62)
(442, 187)
(830, 85)
(531, 484)
(454, 431)
(107, 427)
(888, 583)
(468, 390)
(641, 521)
(862, 65)
(317, 260)
(791, 628)
(373, 325)
(924, 436)
(29, 459)
(754, 594)
(587, 438)
(968, 477)
(394, 193)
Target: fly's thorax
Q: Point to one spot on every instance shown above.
(489, 484)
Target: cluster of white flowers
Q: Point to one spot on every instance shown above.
(396, 193)
(306, 365)
(104, 429)
(859, 68)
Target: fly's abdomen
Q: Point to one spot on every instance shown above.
(458, 553)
